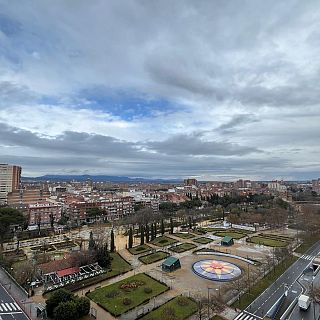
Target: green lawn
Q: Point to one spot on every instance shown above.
(203, 240)
(163, 241)
(182, 247)
(217, 318)
(264, 283)
(307, 243)
(139, 249)
(125, 295)
(118, 266)
(233, 234)
(267, 241)
(184, 235)
(178, 308)
(153, 257)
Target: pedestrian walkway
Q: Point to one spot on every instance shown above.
(9, 307)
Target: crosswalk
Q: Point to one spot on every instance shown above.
(307, 257)
(244, 315)
(8, 307)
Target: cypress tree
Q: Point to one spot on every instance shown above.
(155, 230)
(141, 235)
(91, 241)
(152, 232)
(112, 241)
(171, 226)
(130, 241)
(190, 223)
(162, 227)
(147, 233)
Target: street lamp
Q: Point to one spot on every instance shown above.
(209, 299)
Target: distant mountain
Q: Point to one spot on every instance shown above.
(80, 178)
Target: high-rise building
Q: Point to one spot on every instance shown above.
(9, 180)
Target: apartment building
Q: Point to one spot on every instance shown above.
(10, 176)
(115, 208)
(42, 211)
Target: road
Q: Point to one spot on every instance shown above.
(259, 308)
(9, 309)
(313, 312)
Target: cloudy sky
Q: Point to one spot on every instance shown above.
(214, 89)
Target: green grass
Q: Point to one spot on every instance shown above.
(153, 257)
(139, 249)
(113, 298)
(217, 318)
(276, 236)
(118, 266)
(163, 241)
(203, 240)
(184, 235)
(233, 234)
(182, 247)
(179, 308)
(307, 243)
(264, 283)
(267, 241)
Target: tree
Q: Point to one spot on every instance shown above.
(147, 233)
(39, 223)
(83, 306)
(112, 241)
(52, 218)
(162, 227)
(155, 230)
(190, 222)
(141, 235)
(25, 272)
(66, 311)
(103, 256)
(171, 226)
(152, 232)
(9, 217)
(92, 243)
(130, 240)
(55, 298)
(94, 213)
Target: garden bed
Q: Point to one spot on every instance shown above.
(203, 240)
(179, 308)
(182, 247)
(127, 294)
(163, 241)
(184, 235)
(153, 257)
(139, 249)
(267, 241)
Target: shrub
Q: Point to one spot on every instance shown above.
(163, 241)
(147, 290)
(126, 301)
(113, 293)
(83, 306)
(182, 301)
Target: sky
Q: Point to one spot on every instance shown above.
(217, 90)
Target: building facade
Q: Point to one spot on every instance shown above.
(9, 180)
(42, 212)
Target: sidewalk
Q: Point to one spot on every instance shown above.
(26, 304)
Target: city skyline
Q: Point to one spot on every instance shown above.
(212, 90)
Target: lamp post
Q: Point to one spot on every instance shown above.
(209, 300)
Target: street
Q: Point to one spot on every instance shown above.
(9, 309)
(259, 308)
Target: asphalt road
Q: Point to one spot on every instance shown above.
(9, 309)
(261, 305)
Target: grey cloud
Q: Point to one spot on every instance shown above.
(194, 145)
(236, 121)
